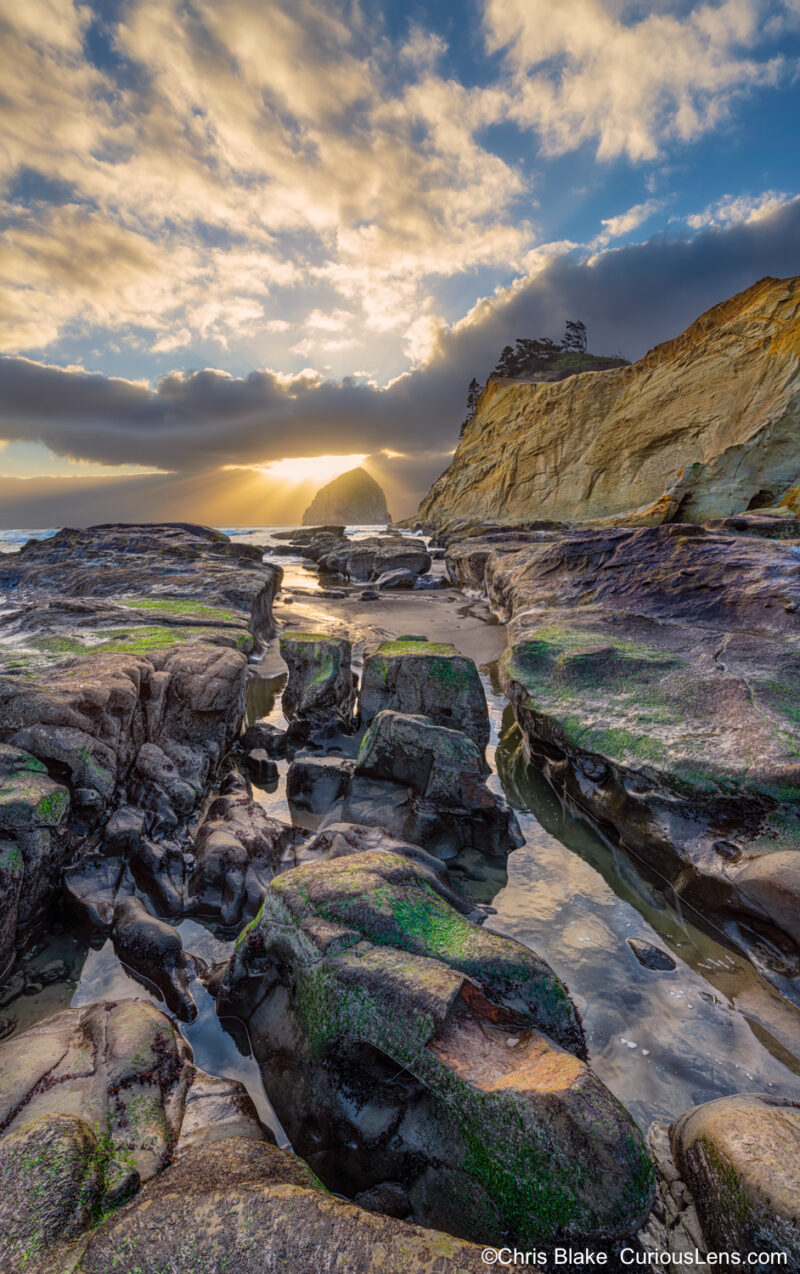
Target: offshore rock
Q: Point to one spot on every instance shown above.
(354, 498)
(425, 678)
(672, 437)
(385, 1021)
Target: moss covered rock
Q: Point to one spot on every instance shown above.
(654, 673)
(320, 686)
(425, 783)
(740, 1156)
(52, 1182)
(431, 679)
(241, 1206)
(441, 1055)
(33, 813)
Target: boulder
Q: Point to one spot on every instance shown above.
(52, 1185)
(340, 840)
(237, 849)
(444, 1057)
(396, 579)
(354, 498)
(90, 888)
(740, 1157)
(372, 557)
(244, 1205)
(425, 784)
(318, 783)
(426, 678)
(94, 1104)
(320, 685)
(264, 735)
(153, 949)
(261, 768)
(674, 437)
(121, 1069)
(159, 869)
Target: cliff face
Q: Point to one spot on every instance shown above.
(703, 426)
(352, 498)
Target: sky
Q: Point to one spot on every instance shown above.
(248, 244)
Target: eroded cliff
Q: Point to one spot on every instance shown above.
(703, 426)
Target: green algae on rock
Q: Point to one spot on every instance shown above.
(654, 673)
(245, 1206)
(426, 783)
(320, 686)
(740, 1157)
(358, 966)
(431, 679)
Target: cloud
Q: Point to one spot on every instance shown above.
(197, 422)
(625, 222)
(626, 77)
(230, 151)
(739, 208)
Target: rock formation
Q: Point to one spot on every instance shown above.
(354, 499)
(740, 1157)
(101, 1106)
(427, 678)
(703, 426)
(365, 559)
(654, 673)
(122, 681)
(386, 1021)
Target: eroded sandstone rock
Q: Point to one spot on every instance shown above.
(237, 850)
(94, 1104)
(425, 784)
(674, 436)
(247, 1206)
(654, 674)
(153, 948)
(33, 841)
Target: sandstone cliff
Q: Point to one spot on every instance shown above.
(354, 498)
(703, 426)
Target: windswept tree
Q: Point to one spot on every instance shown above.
(574, 338)
(473, 394)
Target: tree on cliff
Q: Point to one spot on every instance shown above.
(574, 338)
(473, 394)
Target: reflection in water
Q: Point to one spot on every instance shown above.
(661, 1040)
(262, 693)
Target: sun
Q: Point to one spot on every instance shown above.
(295, 470)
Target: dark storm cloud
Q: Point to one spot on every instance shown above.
(630, 299)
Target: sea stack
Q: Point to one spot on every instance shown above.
(354, 498)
